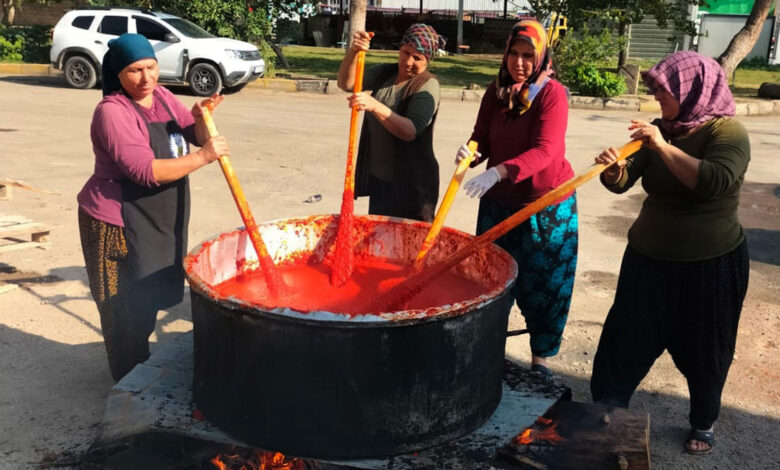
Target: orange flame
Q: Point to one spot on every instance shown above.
(543, 430)
(258, 460)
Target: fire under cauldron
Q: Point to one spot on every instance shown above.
(327, 385)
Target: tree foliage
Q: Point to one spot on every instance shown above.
(618, 14)
(613, 13)
(580, 63)
(247, 20)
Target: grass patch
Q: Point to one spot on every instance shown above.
(452, 70)
(460, 71)
(744, 83)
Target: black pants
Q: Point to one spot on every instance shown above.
(691, 309)
(383, 200)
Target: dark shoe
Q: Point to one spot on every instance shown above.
(707, 437)
(541, 370)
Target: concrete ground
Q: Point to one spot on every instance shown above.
(286, 147)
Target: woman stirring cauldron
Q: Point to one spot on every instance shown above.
(521, 129)
(396, 167)
(685, 270)
(134, 209)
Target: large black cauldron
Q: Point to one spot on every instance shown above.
(322, 385)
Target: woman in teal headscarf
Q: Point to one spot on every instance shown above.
(134, 209)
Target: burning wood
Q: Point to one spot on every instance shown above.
(257, 460)
(582, 436)
(542, 430)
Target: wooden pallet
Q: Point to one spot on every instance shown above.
(18, 232)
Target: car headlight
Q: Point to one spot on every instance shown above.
(233, 53)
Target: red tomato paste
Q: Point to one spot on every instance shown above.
(312, 291)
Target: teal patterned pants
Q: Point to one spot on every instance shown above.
(545, 248)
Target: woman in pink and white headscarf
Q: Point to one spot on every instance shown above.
(396, 167)
(685, 271)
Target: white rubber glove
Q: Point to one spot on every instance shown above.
(479, 185)
(463, 152)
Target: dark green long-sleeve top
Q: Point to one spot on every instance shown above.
(681, 224)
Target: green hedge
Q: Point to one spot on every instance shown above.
(590, 81)
(25, 44)
(582, 60)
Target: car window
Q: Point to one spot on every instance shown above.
(82, 22)
(114, 25)
(191, 30)
(150, 29)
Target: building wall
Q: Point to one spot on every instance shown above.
(717, 30)
(37, 14)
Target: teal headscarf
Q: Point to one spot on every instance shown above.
(123, 51)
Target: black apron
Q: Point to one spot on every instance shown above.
(156, 221)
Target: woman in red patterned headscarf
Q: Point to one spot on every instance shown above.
(521, 130)
(396, 166)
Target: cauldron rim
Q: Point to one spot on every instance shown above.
(398, 318)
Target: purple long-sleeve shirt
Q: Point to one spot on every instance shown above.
(120, 141)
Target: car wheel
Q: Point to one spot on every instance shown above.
(204, 80)
(80, 72)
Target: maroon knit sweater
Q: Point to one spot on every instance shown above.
(531, 146)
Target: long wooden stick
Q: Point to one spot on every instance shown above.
(276, 285)
(343, 255)
(403, 292)
(444, 209)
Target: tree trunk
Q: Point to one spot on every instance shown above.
(9, 12)
(283, 64)
(623, 52)
(742, 43)
(357, 18)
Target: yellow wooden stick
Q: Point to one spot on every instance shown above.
(449, 196)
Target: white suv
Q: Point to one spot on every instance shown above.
(185, 52)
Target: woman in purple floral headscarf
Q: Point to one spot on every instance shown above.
(685, 271)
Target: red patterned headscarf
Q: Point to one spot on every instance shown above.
(517, 97)
(424, 39)
(698, 83)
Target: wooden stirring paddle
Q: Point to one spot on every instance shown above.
(276, 286)
(444, 209)
(402, 293)
(343, 255)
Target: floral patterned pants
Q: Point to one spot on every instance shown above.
(545, 248)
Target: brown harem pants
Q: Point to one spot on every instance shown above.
(105, 254)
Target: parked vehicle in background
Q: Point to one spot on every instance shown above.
(186, 53)
(556, 27)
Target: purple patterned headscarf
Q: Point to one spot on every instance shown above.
(424, 39)
(698, 83)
